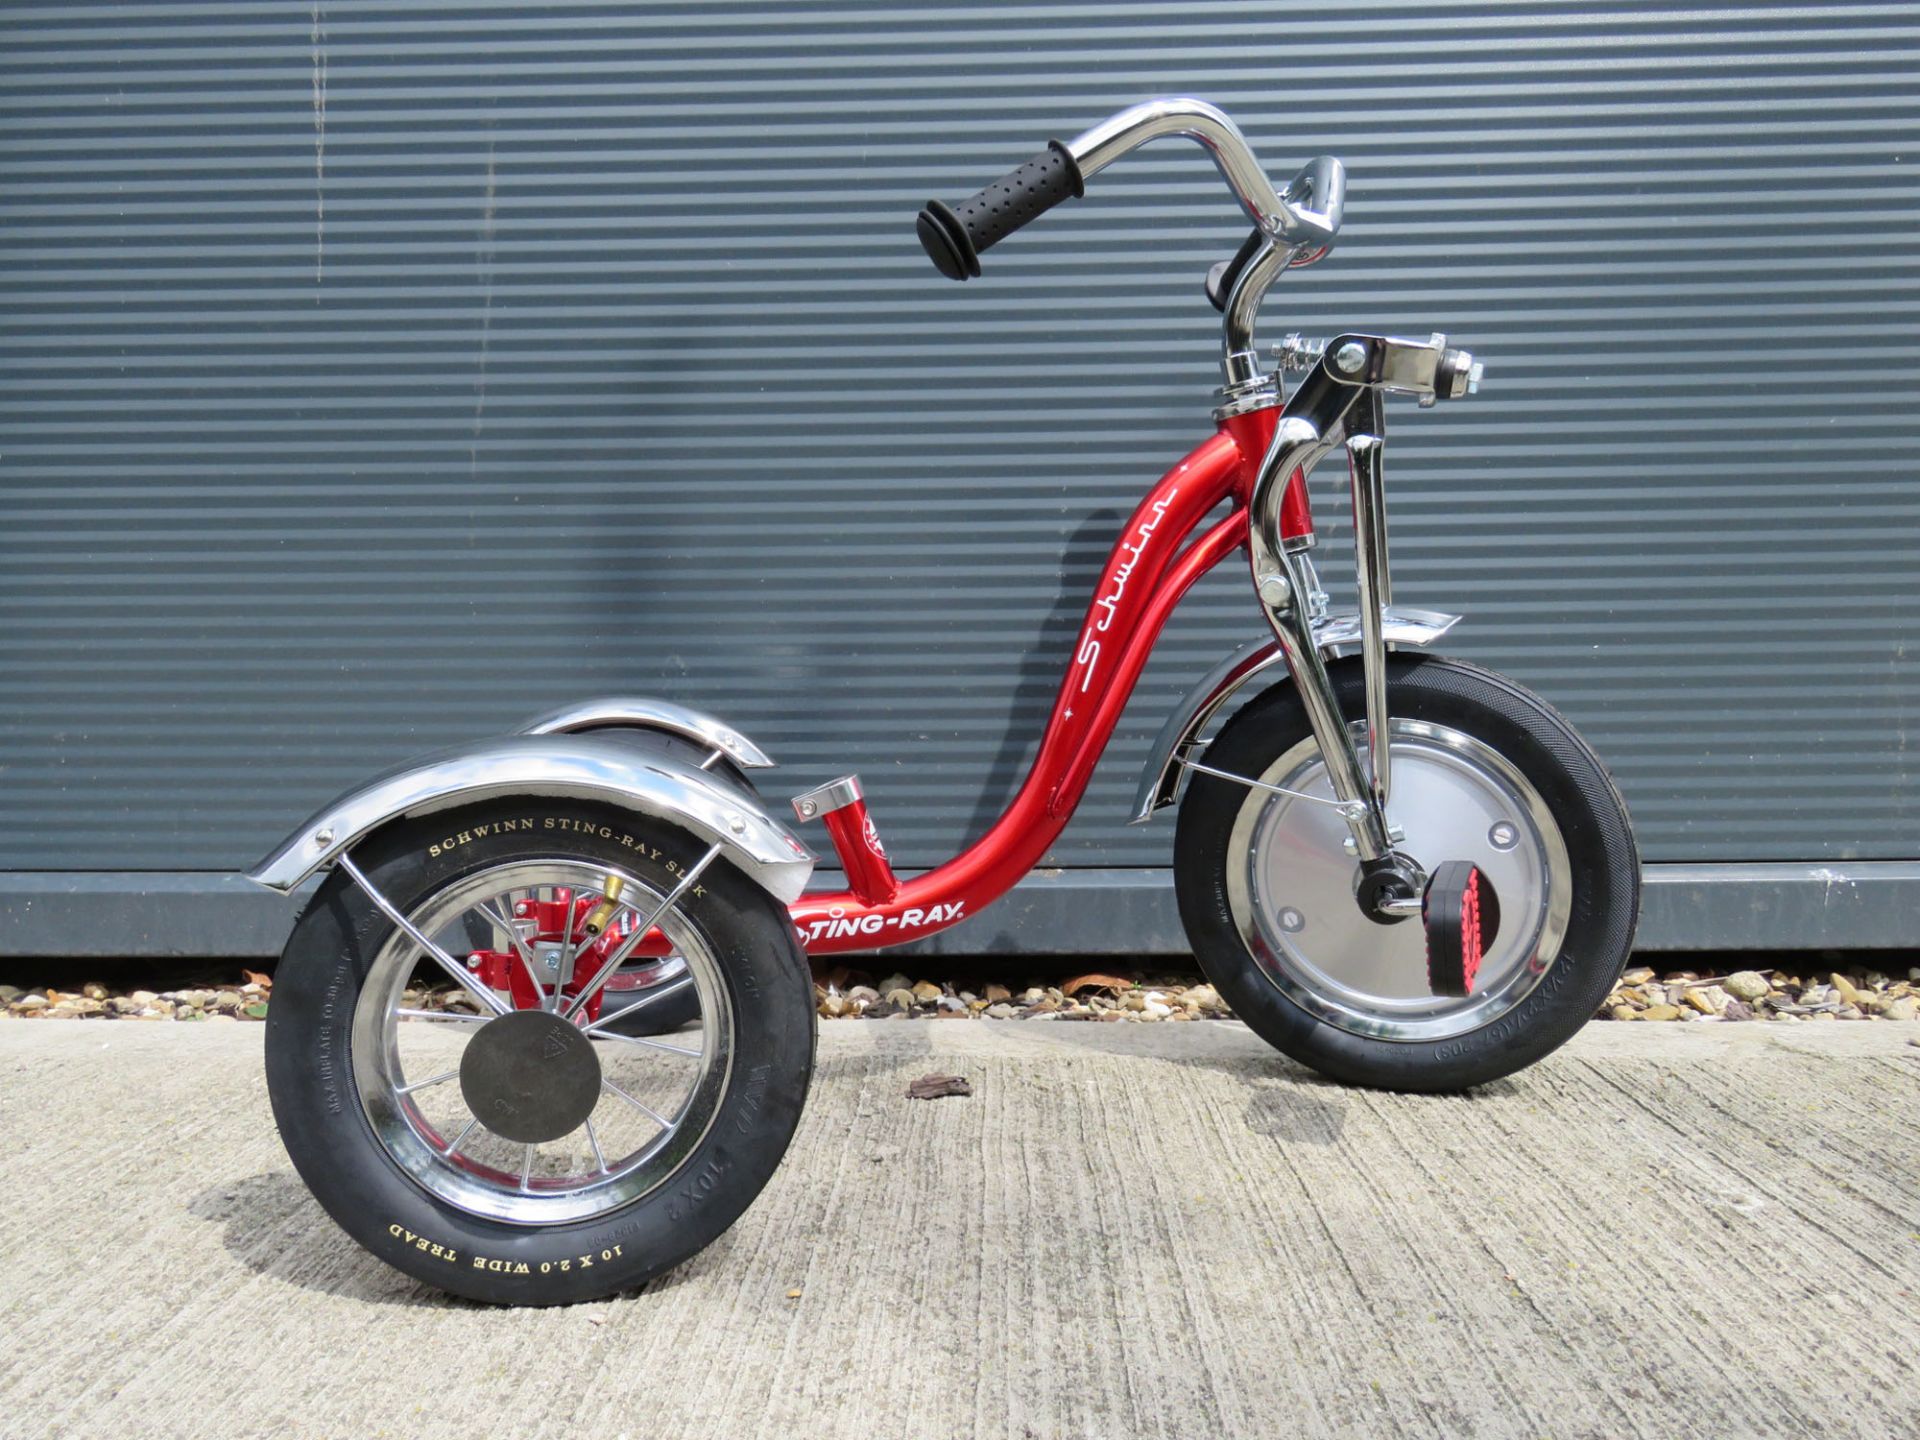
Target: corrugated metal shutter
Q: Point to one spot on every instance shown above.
(374, 375)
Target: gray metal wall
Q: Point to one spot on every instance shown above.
(372, 375)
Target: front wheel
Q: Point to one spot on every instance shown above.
(511, 1151)
(1482, 772)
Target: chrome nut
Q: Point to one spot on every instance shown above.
(1458, 374)
(1350, 358)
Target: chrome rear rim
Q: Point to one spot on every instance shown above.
(1291, 885)
(646, 975)
(658, 1095)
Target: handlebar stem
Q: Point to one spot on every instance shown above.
(1241, 361)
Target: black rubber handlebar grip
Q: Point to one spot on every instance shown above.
(953, 239)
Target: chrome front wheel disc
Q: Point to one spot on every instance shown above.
(1455, 798)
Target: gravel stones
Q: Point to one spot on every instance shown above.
(96, 1001)
(1777, 994)
(840, 993)
(1109, 996)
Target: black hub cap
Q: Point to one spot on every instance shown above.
(1392, 877)
(530, 1076)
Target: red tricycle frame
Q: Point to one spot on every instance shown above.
(1145, 577)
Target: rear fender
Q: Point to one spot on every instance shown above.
(601, 767)
(641, 712)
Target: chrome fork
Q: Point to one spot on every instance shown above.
(1339, 403)
(1374, 588)
(1283, 595)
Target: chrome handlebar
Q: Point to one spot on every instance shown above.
(1305, 217)
(1294, 226)
(1299, 222)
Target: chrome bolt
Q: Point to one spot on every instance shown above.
(808, 809)
(737, 823)
(322, 839)
(1275, 591)
(1292, 921)
(1350, 358)
(1503, 836)
(473, 962)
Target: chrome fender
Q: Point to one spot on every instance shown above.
(1180, 736)
(640, 712)
(582, 767)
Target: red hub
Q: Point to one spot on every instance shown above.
(556, 921)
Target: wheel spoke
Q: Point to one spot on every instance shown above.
(644, 1109)
(526, 1170)
(453, 967)
(640, 930)
(594, 1140)
(659, 992)
(439, 1079)
(461, 1138)
(649, 1043)
(457, 1016)
(612, 889)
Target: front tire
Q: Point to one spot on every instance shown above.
(1483, 771)
(379, 1111)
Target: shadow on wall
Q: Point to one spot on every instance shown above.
(1043, 663)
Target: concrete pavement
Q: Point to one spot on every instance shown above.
(1154, 1230)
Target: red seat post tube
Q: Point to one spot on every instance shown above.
(842, 808)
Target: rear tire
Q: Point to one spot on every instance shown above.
(1482, 771)
(394, 1178)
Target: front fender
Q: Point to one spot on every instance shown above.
(643, 712)
(584, 767)
(1180, 736)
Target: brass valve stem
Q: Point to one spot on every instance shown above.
(601, 914)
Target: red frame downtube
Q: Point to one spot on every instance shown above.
(1145, 577)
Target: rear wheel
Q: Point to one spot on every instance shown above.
(535, 1157)
(1484, 775)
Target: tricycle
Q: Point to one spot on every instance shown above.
(1401, 870)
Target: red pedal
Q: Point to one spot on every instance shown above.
(1461, 915)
